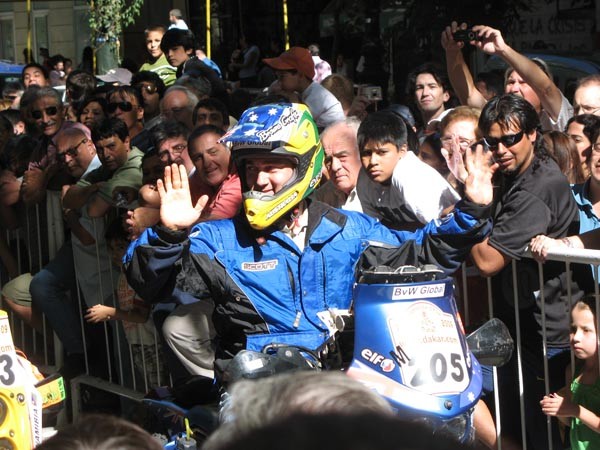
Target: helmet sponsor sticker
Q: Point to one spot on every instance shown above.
(282, 205)
(386, 364)
(260, 266)
(289, 116)
(423, 291)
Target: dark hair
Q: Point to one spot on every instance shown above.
(13, 115)
(101, 432)
(12, 87)
(212, 104)
(168, 130)
(80, 84)
(512, 110)
(54, 60)
(37, 66)
(431, 68)
(591, 125)
(383, 127)
(561, 149)
(176, 37)
(126, 91)
(100, 100)
(109, 127)
(149, 77)
(494, 81)
(17, 153)
(200, 131)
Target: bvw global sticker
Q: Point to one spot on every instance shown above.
(423, 291)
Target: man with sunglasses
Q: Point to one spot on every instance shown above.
(46, 110)
(127, 104)
(533, 197)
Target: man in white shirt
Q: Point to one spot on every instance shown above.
(176, 19)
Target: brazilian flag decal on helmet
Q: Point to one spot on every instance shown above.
(282, 131)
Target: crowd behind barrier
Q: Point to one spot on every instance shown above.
(99, 190)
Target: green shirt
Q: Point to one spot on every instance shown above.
(128, 175)
(165, 71)
(588, 396)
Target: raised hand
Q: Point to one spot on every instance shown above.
(454, 157)
(480, 170)
(448, 42)
(490, 40)
(176, 209)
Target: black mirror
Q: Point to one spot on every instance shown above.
(491, 343)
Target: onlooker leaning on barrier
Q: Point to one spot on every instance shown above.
(533, 198)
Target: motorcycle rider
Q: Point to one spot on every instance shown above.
(275, 268)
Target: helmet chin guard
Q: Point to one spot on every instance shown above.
(282, 131)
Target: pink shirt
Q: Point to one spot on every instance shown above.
(223, 204)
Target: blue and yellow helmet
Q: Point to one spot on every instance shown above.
(284, 130)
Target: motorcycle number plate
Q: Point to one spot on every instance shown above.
(428, 349)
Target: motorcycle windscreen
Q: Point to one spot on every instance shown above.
(410, 347)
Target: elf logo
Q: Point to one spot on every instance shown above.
(386, 364)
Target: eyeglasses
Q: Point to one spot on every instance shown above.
(508, 140)
(123, 106)
(149, 88)
(463, 143)
(176, 149)
(50, 111)
(72, 152)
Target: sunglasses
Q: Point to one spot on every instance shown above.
(508, 140)
(50, 111)
(149, 88)
(123, 106)
(72, 152)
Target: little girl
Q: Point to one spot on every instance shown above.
(579, 406)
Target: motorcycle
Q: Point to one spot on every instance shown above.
(403, 338)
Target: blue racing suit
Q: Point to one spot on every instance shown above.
(264, 287)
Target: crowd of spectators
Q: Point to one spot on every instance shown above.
(99, 159)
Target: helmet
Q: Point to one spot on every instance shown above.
(284, 130)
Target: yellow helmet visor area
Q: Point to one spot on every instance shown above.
(263, 210)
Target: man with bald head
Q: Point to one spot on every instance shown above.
(50, 287)
(586, 99)
(349, 186)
